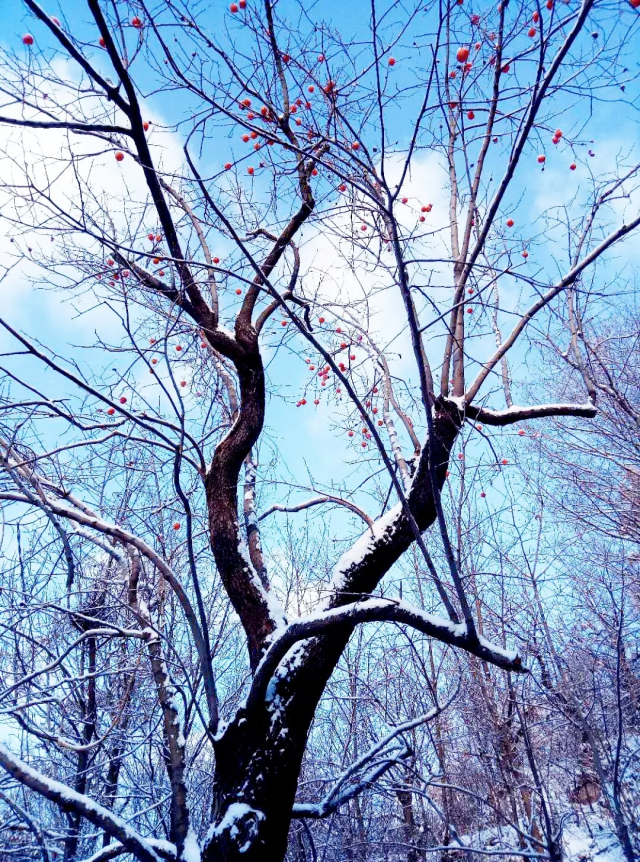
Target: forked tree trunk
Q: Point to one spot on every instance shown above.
(258, 758)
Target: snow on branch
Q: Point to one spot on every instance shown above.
(376, 610)
(316, 501)
(76, 511)
(517, 413)
(164, 849)
(343, 790)
(72, 801)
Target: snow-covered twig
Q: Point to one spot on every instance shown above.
(339, 793)
(164, 849)
(316, 501)
(70, 800)
(88, 518)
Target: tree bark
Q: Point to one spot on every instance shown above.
(259, 755)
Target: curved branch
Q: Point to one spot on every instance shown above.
(316, 501)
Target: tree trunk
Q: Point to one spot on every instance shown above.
(258, 757)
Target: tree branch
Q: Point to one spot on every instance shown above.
(71, 801)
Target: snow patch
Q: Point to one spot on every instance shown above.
(241, 822)
(191, 850)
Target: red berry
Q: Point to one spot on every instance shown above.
(321, 320)
(251, 171)
(111, 411)
(463, 55)
(27, 39)
(216, 260)
(542, 159)
(102, 43)
(183, 383)
(342, 188)
(405, 200)
(482, 494)
(504, 461)
(238, 291)
(532, 32)
(355, 145)
(227, 166)
(392, 61)
(471, 115)
(136, 22)
(119, 156)
(573, 166)
(510, 222)
(123, 400)
(178, 348)
(176, 526)
(233, 8)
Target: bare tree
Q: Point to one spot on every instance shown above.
(160, 682)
